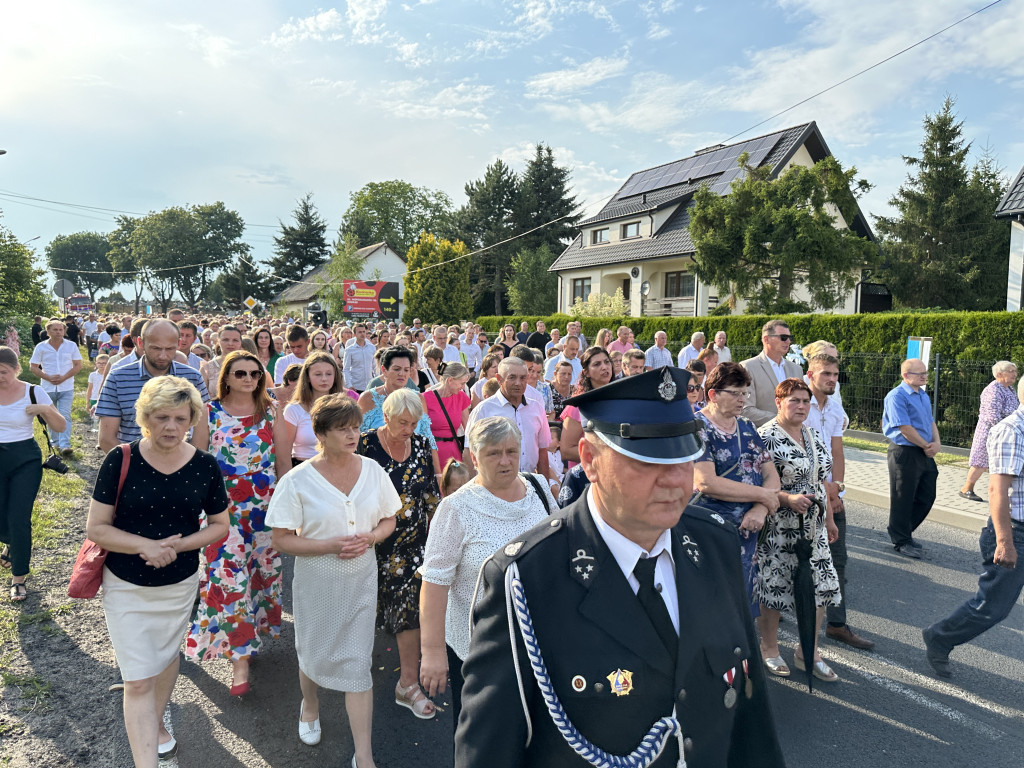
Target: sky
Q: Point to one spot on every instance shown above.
(134, 107)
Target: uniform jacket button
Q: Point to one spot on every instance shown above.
(598, 687)
(737, 651)
(682, 694)
(687, 745)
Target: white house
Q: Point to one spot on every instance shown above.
(380, 262)
(642, 234)
(1012, 207)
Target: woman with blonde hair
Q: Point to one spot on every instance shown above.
(447, 405)
(297, 442)
(604, 338)
(330, 512)
(151, 574)
(240, 589)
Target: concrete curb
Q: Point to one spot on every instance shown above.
(953, 517)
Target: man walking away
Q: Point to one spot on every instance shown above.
(914, 441)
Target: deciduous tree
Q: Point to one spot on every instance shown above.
(944, 249)
(81, 257)
(22, 289)
(769, 236)
(395, 212)
(437, 281)
(345, 264)
(123, 258)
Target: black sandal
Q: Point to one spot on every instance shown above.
(19, 592)
(5, 560)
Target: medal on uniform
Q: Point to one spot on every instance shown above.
(621, 681)
(749, 687)
(730, 692)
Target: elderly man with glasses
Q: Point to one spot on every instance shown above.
(913, 442)
(767, 371)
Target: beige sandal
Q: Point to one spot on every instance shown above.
(413, 699)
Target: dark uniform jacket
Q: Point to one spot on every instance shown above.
(590, 625)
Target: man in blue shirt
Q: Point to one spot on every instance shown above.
(913, 442)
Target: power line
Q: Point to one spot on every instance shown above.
(866, 69)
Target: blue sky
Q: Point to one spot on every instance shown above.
(139, 106)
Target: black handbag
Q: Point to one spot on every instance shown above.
(53, 461)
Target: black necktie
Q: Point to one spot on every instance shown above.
(653, 604)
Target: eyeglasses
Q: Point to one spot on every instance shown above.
(782, 336)
(917, 373)
(242, 374)
(693, 388)
(733, 392)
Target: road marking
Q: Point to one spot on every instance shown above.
(894, 686)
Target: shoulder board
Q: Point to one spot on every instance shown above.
(522, 544)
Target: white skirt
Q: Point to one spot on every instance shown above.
(334, 605)
(147, 624)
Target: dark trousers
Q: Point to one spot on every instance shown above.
(456, 680)
(912, 477)
(836, 614)
(998, 591)
(21, 472)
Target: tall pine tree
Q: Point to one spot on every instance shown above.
(944, 249)
(301, 246)
(545, 199)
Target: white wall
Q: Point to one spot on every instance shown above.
(1014, 277)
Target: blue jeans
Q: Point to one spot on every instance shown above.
(62, 400)
(998, 590)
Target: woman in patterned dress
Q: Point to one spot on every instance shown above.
(406, 457)
(803, 463)
(998, 400)
(240, 586)
(734, 477)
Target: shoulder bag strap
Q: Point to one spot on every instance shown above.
(536, 486)
(445, 412)
(126, 458)
(739, 457)
(46, 430)
(813, 450)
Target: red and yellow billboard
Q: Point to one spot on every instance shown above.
(373, 299)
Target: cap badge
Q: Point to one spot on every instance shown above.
(622, 682)
(579, 683)
(667, 388)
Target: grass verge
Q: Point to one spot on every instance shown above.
(870, 445)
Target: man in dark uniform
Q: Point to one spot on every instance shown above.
(638, 635)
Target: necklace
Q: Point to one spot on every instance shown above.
(712, 415)
(385, 439)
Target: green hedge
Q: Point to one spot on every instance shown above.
(956, 335)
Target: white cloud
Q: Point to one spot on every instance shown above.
(580, 78)
(325, 25)
(362, 16)
(421, 100)
(656, 31)
(215, 49)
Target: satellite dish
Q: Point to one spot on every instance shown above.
(645, 287)
(63, 288)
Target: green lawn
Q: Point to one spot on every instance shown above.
(871, 445)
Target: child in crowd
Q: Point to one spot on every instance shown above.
(455, 475)
(554, 454)
(92, 392)
(490, 387)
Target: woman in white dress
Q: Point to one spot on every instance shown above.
(329, 512)
(482, 516)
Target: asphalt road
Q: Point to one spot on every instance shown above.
(888, 710)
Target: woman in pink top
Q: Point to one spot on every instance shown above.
(448, 397)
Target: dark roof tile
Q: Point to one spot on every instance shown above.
(1012, 203)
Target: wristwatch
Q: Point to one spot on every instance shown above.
(842, 487)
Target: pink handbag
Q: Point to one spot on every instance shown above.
(87, 575)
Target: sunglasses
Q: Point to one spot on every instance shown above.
(240, 374)
(692, 388)
(782, 336)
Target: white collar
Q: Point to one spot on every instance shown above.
(627, 553)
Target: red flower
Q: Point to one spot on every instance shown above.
(241, 635)
(265, 434)
(274, 616)
(215, 597)
(241, 491)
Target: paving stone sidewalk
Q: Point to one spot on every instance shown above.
(867, 481)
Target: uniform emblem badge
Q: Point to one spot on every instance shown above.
(621, 681)
(718, 517)
(692, 550)
(579, 683)
(582, 567)
(513, 549)
(667, 388)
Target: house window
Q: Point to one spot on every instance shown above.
(599, 236)
(632, 229)
(580, 288)
(679, 285)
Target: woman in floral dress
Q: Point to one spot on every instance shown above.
(803, 464)
(407, 459)
(240, 588)
(998, 400)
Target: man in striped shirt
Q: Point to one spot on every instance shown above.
(116, 406)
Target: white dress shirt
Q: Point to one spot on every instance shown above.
(724, 354)
(474, 356)
(686, 354)
(56, 362)
(529, 417)
(549, 368)
(627, 553)
(779, 368)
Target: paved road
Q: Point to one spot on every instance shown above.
(889, 710)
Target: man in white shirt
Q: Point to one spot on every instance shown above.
(359, 354)
(658, 355)
(512, 403)
(724, 354)
(473, 353)
(440, 337)
(575, 328)
(297, 341)
(767, 371)
(189, 333)
(56, 361)
(230, 340)
(570, 354)
(691, 350)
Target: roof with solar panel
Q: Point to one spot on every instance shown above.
(1012, 203)
(673, 184)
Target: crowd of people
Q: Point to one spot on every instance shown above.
(392, 462)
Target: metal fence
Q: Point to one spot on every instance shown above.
(865, 379)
